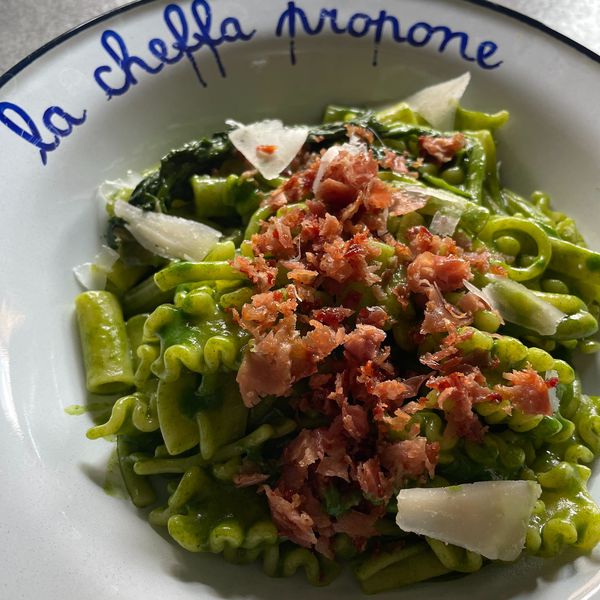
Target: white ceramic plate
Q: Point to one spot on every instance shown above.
(61, 536)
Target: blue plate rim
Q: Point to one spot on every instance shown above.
(530, 21)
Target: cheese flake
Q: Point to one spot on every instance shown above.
(166, 235)
(268, 145)
(487, 517)
(437, 103)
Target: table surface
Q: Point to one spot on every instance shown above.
(28, 24)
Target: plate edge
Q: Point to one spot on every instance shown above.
(530, 21)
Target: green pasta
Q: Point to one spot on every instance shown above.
(381, 315)
(105, 347)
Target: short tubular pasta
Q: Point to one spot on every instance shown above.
(104, 342)
(380, 317)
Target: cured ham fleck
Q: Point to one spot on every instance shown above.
(347, 260)
(363, 343)
(290, 520)
(332, 316)
(457, 394)
(447, 272)
(373, 315)
(307, 351)
(272, 355)
(260, 315)
(422, 240)
(403, 202)
(357, 524)
(528, 392)
(321, 341)
(442, 149)
(260, 273)
(395, 162)
(372, 481)
(391, 391)
(410, 459)
(366, 135)
(356, 421)
(441, 316)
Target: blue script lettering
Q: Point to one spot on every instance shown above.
(361, 25)
(184, 42)
(56, 120)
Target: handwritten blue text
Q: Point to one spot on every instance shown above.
(361, 24)
(57, 121)
(184, 42)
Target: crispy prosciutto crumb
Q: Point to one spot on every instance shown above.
(528, 392)
(395, 162)
(290, 520)
(307, 351)
(272, 355)
(447, 272)
(333, 316)
(318, 320)
(398, 421)
(366, 135)
(403, 203)
(260, 273)
(355, 420)
(441, 316)
(422, 240)
(442, 149)
(248, 479)
(457, 393)
(364, 342)
(357, 524)
(410, 458)
(374, 484)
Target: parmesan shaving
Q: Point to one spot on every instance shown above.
(285, 142)
(110, 188)
(437, 103)
(519, 305)
(92, 275)
(487, 517)
(482, 296)
(444, 222)
(168, 236)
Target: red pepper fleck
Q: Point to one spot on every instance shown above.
(266, 149)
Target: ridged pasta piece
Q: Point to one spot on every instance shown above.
(208, 516)
(176, 407)
(395, 567)
(197, 335)
(502, 413)
(222, 417)
(160, 465)
(456, 558)
(140, 489)
(566, 514)
(136, 412)
(587, 422)
(318, 570)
